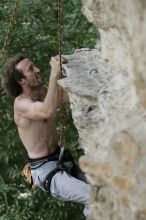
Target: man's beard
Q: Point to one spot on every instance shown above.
(35, 84)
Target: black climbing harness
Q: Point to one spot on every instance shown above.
(64, 161)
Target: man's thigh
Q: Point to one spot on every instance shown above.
(68, 188)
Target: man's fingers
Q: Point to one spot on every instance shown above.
(56, 60)
(63, 59)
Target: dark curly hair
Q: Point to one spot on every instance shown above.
(12, 76)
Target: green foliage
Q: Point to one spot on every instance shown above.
(35, 34)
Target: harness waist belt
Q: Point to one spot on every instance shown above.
(38, 162)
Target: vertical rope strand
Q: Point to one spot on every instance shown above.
(62, 108)
(9, 29)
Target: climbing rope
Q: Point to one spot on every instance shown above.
(9, 29)
(63, 116)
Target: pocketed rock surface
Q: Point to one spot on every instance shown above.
(107, 91)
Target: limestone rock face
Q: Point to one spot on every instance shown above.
(107, 90)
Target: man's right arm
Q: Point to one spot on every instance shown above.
(46, 109)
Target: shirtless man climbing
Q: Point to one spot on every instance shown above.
(34, 115)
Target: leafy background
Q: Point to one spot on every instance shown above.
(35, 35)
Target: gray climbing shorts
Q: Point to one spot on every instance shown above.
(63, 185)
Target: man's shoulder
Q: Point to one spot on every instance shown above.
(20, 106)
(21, 102)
